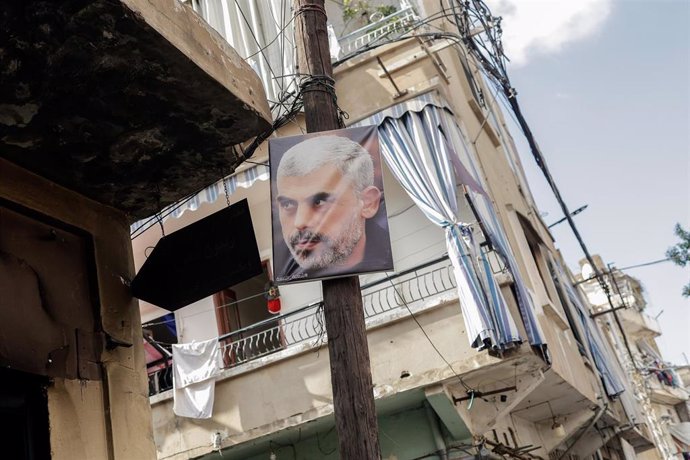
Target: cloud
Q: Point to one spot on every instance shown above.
(541, 27)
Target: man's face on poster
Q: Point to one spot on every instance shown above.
(323, 217)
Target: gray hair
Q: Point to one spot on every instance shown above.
(351, 159)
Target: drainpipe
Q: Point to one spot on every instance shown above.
(594, 421)
(436, 432)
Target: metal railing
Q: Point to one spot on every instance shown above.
(404, 289)
(408, 287)
(307, 323)
(388, 28)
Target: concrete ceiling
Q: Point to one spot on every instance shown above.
(97, 96)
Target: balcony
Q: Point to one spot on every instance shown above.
(126, 131)
(639, 324)
(387, 28)
(384, 300)
(661, 392)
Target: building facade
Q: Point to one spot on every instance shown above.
(545, 383)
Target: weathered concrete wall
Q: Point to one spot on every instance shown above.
(95, 419)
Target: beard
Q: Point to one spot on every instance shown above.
(332, 250)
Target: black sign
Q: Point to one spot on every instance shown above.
(199, 260)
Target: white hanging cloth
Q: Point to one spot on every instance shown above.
(195, 367)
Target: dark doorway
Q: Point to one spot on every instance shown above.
(24, 416)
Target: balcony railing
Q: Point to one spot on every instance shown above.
(307, 323)
(403, 290)
(387, 28)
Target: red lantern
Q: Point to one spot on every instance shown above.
(273, 297)
(274, 306)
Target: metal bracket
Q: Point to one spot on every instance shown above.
(479, 394)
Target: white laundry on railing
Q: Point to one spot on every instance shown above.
(195, 367)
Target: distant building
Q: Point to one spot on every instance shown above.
(657, 384)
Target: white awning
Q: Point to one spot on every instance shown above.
(210, 194)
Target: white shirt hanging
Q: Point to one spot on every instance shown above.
(195, 367)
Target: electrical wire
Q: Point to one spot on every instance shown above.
(226, 305)
(256, 40)
(296, 106)
(402, 299)
(487, 49)
(318, 443)
(645, 264)
(279, 122)
(280, 34)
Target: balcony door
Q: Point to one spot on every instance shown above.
(242, 312)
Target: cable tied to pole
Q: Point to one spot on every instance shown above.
(325, 84)
(311, 7)
(318, 83)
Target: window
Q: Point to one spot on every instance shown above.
(567, 307)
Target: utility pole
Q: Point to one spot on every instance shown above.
(353, 398)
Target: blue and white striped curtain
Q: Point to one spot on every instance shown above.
(418, 156)
(465, 158)
(607, 365)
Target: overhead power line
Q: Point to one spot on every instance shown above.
(481, 33)
(645, 264)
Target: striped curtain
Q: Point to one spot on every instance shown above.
(608, 366)
(419, 157)
(466, 165)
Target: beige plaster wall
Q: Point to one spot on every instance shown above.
(76, 414)
(108, 419)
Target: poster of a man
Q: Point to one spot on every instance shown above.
(328, 207)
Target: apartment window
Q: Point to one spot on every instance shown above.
(556, 307)
(537, 249)
(567, 307)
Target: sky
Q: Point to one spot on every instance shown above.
(605, 88)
